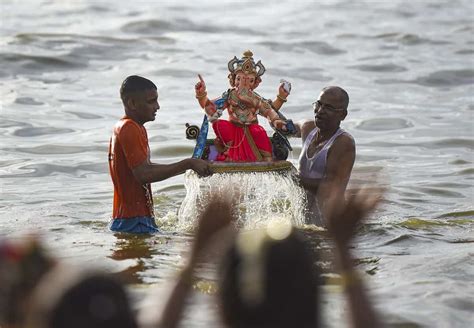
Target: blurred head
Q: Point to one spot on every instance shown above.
(330, 108)
(22, 265)
(140, 98)
(74, 299)
(269, 280)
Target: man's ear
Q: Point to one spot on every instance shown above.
(131, 104)
(344, 114)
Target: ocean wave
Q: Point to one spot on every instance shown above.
(318, 47)
(160, 27)
(17, 63)
(409, 39)
(85, 116)
(28, 101)
(58, 149)
(40, 131)
(447, 78)
(433, 144)
(383, 68)
(42, 170)
(384, 124)
(444, 78)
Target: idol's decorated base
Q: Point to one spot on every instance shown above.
(231, 167)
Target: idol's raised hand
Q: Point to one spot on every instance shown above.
(200, 87)
(284, 89)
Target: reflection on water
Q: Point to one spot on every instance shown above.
(137, 248)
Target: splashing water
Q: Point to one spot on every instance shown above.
(264, 197)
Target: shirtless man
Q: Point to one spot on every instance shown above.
(129, 160)
(328, 153)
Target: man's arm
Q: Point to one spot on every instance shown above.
(148, 172)
(309, 183)
(303, 129)
(339, 165)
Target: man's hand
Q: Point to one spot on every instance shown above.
(201, 167)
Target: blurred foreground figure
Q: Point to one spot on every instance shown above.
(267, 277)
(71, 298)
(22, 265)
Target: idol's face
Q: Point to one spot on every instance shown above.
(244, 81)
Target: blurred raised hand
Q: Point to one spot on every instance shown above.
(216, 217)
(343, 216)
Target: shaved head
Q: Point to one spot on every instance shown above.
(339, 93)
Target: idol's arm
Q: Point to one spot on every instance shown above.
(280, 98)
(201, 96)
(266, 110)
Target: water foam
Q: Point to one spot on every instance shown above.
(263, 197)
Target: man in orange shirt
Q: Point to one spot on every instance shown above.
(129, 160)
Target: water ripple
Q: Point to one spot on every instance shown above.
(434, 144)
(85, 116)
(42, 170)
(306, 73)
(5, 123)
(409, 39)
(444, 78)
(40, 131)
(28, 101)
(321, 48)
(155, 26)
(23, 63)
(405, 238)
(174, 72)
(465, 52)
(58, 149)
(389, 67)
(384, 124)
(447, 78)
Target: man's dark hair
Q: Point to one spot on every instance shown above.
(290, 286)
(95, 301)
(135, 83)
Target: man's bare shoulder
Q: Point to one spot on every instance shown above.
(306, 128)
(344, 143)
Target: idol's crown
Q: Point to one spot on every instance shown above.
(246, 65)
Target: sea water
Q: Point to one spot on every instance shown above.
(408, 67)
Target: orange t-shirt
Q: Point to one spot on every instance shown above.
(129, 148)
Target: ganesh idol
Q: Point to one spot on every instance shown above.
(241, 138)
